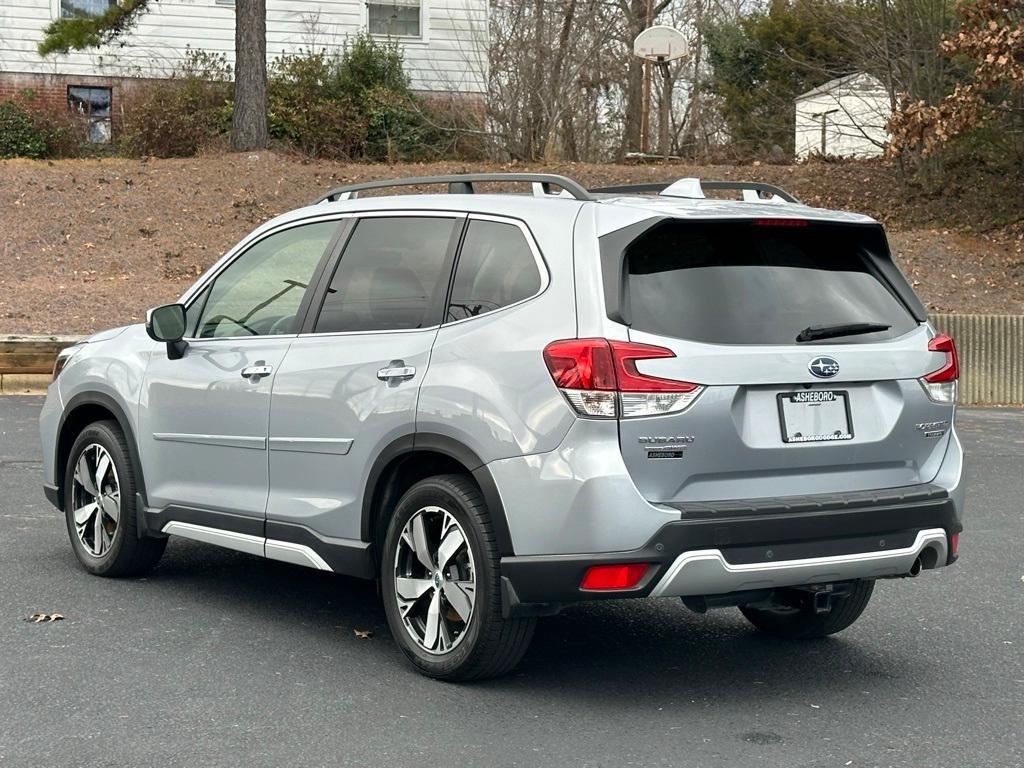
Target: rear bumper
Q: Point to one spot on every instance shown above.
(762, 543)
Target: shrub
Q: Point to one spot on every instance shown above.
(309, 110)
(368, 64)
(178, 116)
(29, 131)
(357, 103)
(19, 134)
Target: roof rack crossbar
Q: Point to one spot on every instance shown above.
(755, 186)
(462, 184)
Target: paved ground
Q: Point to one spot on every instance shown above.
(223, 659)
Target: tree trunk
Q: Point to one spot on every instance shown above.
(688, 143)
(634, 106)
(249, 116)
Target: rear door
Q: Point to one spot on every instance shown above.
(349, 383)
(778, 416)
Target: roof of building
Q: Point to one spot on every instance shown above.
(870, 82)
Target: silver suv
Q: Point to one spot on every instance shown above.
(500, 404)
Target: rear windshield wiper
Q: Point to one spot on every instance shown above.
(815, 332)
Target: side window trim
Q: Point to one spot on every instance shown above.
(440, 300)
(201, 292)
(538, 257)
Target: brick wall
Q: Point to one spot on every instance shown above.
(51, 91)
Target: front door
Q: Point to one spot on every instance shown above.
(203, 418)
(348, 385)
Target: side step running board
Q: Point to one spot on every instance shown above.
(286, 551)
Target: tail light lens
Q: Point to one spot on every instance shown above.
(613, 577)
(940, 384)
(600, 379)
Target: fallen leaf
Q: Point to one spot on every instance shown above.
(363, 634)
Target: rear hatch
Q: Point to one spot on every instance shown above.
(841, 409)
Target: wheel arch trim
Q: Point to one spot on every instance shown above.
(452, 449)
(108, 403)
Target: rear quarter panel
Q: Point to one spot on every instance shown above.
(487, 386)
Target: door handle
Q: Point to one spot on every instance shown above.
(257, 371)
(396, 371)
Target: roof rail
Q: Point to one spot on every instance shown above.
(689, 189)
(462, 184)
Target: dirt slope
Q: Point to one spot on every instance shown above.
(89, 244)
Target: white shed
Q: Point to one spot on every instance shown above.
(844, 117)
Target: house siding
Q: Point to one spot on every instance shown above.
(451, 56)
(855, 111)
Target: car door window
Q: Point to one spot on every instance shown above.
(496, 268)
(259, 294)
(390, 276)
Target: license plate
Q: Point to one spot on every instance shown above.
(815, 415)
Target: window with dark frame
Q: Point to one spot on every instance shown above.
(260, 293)
(389, 276)
(71, 9)
(496, 268)
(394, 18)
(94, 105)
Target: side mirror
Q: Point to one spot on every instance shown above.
(167, 324)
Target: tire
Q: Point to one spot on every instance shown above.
(452, 648)
(121, 552)
(804, 624)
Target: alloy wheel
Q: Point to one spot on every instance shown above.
(435, 580)
(96, 499)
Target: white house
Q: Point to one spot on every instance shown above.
(844, 117)
(444, 44)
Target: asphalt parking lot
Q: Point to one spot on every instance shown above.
(219, 658)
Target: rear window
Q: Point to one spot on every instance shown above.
(748, 283)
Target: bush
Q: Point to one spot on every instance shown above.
(358, 103)
(28, 131)
(309, 110)
(179, 116)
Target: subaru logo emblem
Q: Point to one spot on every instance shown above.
(824, 367)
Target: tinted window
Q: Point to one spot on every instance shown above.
(389, 276)
(744, 283)
(260, 292)
(496, 268)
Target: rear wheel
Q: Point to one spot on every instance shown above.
(99, 505)
(441, 587)
(803, 623)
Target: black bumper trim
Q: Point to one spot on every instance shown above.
(818, 530)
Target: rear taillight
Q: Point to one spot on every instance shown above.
(599, 378)
(613, 577)
(940, 384)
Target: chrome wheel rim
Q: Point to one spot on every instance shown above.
(435, 580)
(96, 500)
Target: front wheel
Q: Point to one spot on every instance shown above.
(99, 505)
(441, 587)
(803, 623)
